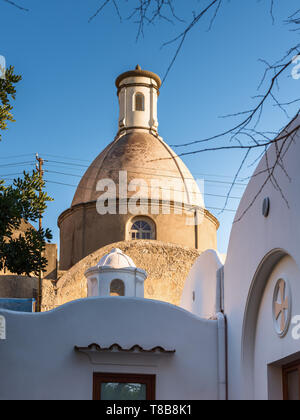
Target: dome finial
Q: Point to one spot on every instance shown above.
(138, 67)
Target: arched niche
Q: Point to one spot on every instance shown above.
(117, 288)
(259, 283)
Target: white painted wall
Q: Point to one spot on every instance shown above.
(257, 245)
(201, 284)
(269, 347)
(38, 360)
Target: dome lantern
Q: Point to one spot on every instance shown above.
(116, 275)
(138, 91)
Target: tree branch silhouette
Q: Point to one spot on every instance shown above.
(12, 3)
(245, 135)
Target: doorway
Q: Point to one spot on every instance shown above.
(291, 381)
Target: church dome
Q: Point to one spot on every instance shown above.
(143, 156)
(116, 259)
(137, 188)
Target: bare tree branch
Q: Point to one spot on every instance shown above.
(99, 10)
(245, 135)
(16, 5)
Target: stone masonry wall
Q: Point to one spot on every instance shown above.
(167, 266)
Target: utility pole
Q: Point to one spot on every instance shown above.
(39, 168)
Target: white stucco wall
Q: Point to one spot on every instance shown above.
(38, 361)
(200, 290)
(257, 245)
(269, 347)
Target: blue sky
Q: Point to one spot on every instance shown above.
(67, 109)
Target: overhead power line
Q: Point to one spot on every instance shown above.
(16, 174)
(75, 186)
(7, 165)
(146, 172)
(17, 156)
(158, 174)
(218, 209)
(67, 158)
(155, 170)
(167, 173)
(205, 194)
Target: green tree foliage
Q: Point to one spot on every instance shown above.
(7, 92)
(19, 202)
(24, 200)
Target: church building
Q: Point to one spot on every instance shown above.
(157, 212)
(145, 308)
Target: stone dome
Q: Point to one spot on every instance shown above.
(143, 156)
(138, 187)
(167, 266)
(116, 259)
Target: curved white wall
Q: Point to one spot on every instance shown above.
(269, 347)
(201, 288)
(252, 239)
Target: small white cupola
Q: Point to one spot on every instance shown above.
(138, 91)
(116, 275)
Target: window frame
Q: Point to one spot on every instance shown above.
(150, 222)
(291, 367)
(142, 96)
(148, 380)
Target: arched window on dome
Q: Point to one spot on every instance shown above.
(142, 229)
(117, 288)
(139, 102)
